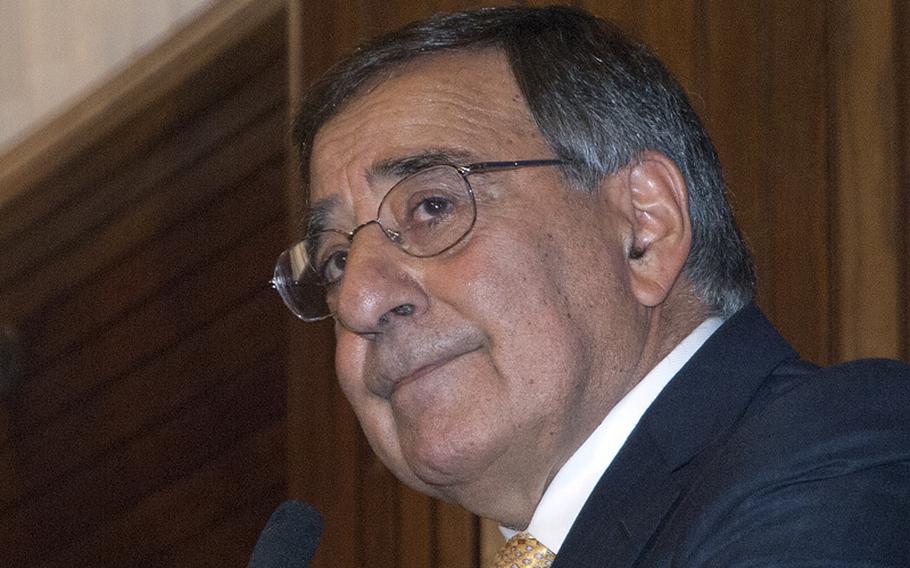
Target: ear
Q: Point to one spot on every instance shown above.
(661, 228)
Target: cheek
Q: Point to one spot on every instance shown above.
(350, 358)
(373, 413)
(514, 289)
(518, 276)
(351, 367)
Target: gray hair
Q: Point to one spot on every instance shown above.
(599, 98)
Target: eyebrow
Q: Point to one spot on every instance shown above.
(317, 215)
(319, 212)
(406, 165)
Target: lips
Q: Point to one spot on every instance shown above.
(399, 367)
(423, 371)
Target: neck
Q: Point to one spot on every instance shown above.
(668, 324)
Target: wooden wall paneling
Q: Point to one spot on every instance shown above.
(152, 420)
(76, 505)
(4, 431)
(29, 417)
(340, 476)
(901, 33)
(457, 5)
(668, 28)
(379, 511)
(227, 540)
(761, 76)
(43, 457)
(121, 239)
(149, 329)
(732, 49)
(375, 18)
(457, 540)
(323, 464)
(210, 56)
(416, 525)
(37, 259)
(867, 237)
(319, 33)
(146, 268)
(155, 523)
(794, 276)
(380, 17)
(491, 540)
(114, 416)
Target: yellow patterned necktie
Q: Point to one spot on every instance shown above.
(523, 551)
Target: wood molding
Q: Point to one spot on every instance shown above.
(866, 182)
(152, 77)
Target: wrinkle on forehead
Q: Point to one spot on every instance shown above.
(401, 166)
(319, 214)
(463, 103)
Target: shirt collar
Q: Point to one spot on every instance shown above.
(570, 488)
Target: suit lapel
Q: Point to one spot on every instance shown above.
(612, 528)
(699, 407)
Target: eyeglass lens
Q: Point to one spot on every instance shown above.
(424, 214)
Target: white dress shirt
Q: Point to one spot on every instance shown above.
(564, 497)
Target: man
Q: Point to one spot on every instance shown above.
(542, 309)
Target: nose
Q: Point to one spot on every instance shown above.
(377, 292)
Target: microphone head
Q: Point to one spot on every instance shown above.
(289, 539)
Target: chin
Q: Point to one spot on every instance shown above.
(426, 477)
(441, 462)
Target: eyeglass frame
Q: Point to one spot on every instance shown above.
(394, 236)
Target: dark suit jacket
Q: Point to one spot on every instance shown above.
(751, 457)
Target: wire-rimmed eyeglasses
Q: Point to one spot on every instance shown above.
(424, 214)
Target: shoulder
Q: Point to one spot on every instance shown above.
(824, 404)
(819, 465)
(846, 417)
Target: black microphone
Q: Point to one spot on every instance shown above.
(289, 539)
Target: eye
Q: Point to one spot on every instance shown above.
(427, 208)
(327, 252)
(331, 269)
(432, 208)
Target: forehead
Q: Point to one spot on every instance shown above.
(463, 104)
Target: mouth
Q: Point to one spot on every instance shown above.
(421, 371)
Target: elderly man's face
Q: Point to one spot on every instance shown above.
(516, 341)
